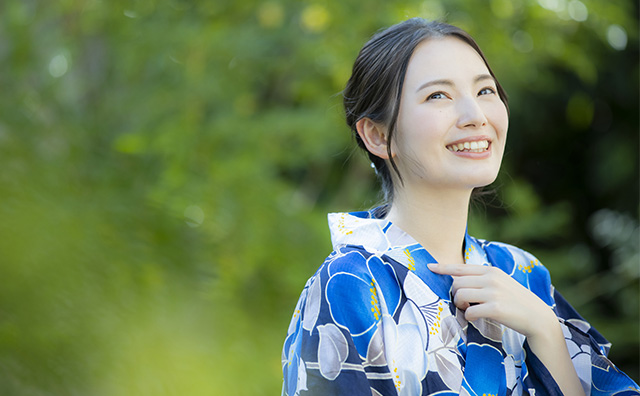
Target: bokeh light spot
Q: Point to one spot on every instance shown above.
(315, 18)
(194, 216)
(578, 11)
(553, 5)
(58, 66)
(609, 226)
(617, 37)
(580, 111)
(270, 15)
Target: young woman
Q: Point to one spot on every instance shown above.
(408, 303)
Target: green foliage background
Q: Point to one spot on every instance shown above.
(167, 167)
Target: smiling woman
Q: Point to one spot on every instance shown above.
(457, 105)
(408, 303)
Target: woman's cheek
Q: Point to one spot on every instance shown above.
(500, 119)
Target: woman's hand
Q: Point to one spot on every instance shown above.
(488, 292)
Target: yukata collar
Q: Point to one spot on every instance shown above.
(484, 372)
(370, 230)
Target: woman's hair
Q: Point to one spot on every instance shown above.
(375, 86)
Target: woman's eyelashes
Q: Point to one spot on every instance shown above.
(487, 91)
(443, 95)
(437, 95)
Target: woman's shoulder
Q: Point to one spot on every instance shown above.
(350, 259)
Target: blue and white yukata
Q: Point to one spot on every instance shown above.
(374, 320)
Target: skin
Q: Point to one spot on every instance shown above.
(448, 97)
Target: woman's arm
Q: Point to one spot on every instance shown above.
(488, 292)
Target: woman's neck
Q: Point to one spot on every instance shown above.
(436, 220)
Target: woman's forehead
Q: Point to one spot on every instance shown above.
(444, 58)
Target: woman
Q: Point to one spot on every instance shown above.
(408, 303)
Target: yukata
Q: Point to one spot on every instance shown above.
(374, 320)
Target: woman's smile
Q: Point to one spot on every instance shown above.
(471, 145)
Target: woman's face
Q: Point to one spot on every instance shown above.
(452, 125)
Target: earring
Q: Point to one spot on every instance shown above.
(374, 169)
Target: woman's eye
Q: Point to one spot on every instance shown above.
(486, 91)
(436, 95)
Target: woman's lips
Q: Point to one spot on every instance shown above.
(474, 146)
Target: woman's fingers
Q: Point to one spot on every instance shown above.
(471, 282)
(485, 310)
(458, 269)
(488, 292)
(469, 276)
(464, 298)
(474, 276)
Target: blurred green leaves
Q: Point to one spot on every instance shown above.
(167, 168)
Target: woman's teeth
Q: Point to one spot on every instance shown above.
(473, 147)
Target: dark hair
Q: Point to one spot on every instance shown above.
(375, 86)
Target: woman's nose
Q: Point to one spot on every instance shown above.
(470, 114)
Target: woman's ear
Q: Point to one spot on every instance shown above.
(374, 137)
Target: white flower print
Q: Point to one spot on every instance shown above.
(332, 350)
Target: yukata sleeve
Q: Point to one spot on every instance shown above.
(587, 347)
(589, 351)
(328, 345)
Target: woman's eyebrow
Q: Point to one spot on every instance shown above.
(480, 77)
(483, 77)
(434, 82)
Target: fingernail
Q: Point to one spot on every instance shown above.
(432, 266)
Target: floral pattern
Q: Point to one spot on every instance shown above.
(374, 320)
